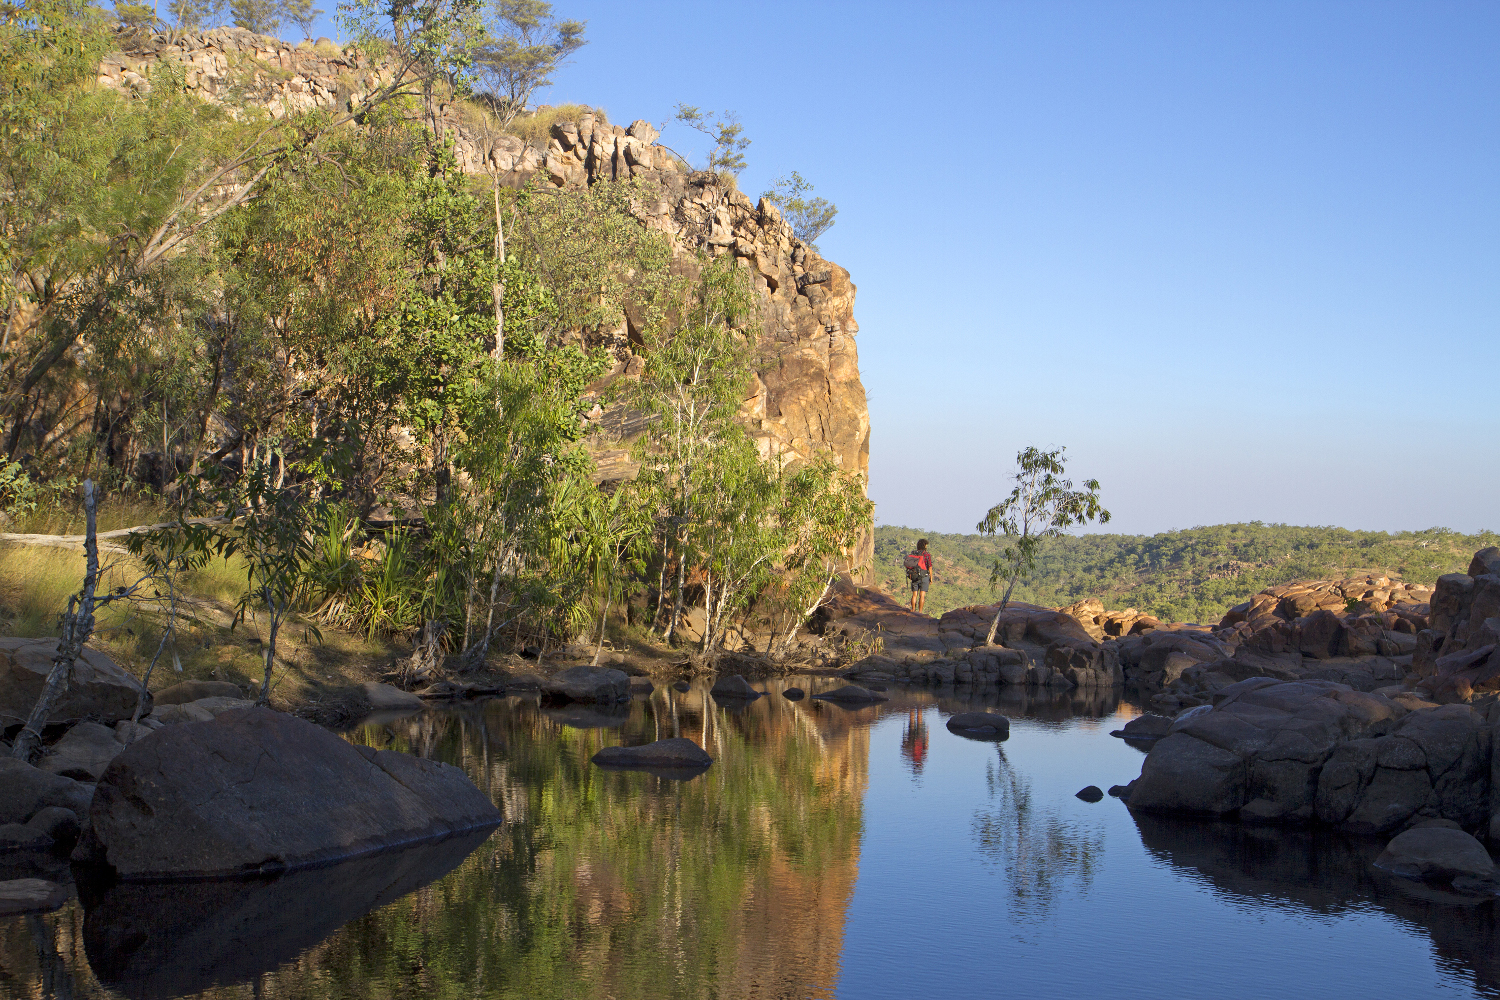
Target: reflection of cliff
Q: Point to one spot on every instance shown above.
(605, 884)
(1322, 872)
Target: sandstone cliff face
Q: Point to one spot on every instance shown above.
(808, 397)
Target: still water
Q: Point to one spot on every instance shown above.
(827, 853)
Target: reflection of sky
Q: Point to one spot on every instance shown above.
(935, 914)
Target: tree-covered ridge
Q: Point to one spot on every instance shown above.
(1191, 575)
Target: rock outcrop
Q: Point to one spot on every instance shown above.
(594, 685)
(255, 790)
(807, 398)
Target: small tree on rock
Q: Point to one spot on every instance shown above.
(808, 217)
(1043, 505)
(728, 153)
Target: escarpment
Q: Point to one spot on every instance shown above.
(807, 397)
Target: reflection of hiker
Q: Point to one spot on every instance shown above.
(914, 740)
(919, 573)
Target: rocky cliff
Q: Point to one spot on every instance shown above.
(808, 396)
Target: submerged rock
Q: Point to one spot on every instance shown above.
(255, 790)
(1092, 793)
(794, 694)
(30, 895)
(588, 684)
(980, 724)
(734, 686)
(1441, 855)
(678, 752)
(851, 694)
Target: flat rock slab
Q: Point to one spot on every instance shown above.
(255, 790)
(30, 895)
(1437, 853)
(734, 686)
(676, 752)
(597, 685)
(385, 698)
(97, 688)
(851, 694)
(982, 724)
(185, 691)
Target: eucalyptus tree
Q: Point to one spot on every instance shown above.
(808, 217)
(1043, 504)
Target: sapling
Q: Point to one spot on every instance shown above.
(1042, 505)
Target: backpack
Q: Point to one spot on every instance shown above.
(913, 564)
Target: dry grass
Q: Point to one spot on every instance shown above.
(536, 127)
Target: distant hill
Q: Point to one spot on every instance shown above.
(1191, 575)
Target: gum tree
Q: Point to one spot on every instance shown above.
(1042, 505)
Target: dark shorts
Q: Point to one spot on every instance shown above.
(922, 582)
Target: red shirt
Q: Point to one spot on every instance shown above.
(924, 560)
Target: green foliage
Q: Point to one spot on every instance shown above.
(1042, 505)
(190, 15)
(1195, 574)
(727, 155)
(136, 15)
(808, 217)
(18, 494)
(525, 45)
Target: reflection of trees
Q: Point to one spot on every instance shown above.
(1040, 853)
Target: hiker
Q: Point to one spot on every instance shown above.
(919, 572)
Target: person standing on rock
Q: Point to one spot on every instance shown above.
(919, 572)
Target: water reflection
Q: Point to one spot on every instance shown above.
(915, 740)
(1041, 853)
(1325, 873)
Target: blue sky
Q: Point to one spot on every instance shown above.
(1241, 258)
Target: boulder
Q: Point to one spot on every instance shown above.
(83, 753)
(128, 732)
(1090, 794)
(1145, 727)
(1439, 855)
(202, 710)
(57, 823)
(734, 686)
(986, 724)
(97, 688)
(20, 837)
(588, 684)
(850, 694)
(26, 790)
(30, 895)
(385, 698)
(678, 752)
(794, 694)
(185, 691)
(255, 790)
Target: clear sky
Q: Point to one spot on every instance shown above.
(1241, 258)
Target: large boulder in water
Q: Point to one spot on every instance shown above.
(97, 688)
(255, 790)
(598, 685)
(1438, 854)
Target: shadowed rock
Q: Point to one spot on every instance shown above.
(256, 790)
(1441, 855)
(1090, 794)
(186, 691)
(148, 940)
(26, 790)
(601, 685)
(97, 688)
(30, 895)
(1145, 727)
(794, 694)
(678, 757)
(980, 725)
(83, 753)
(734, 686)
(851, 694)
